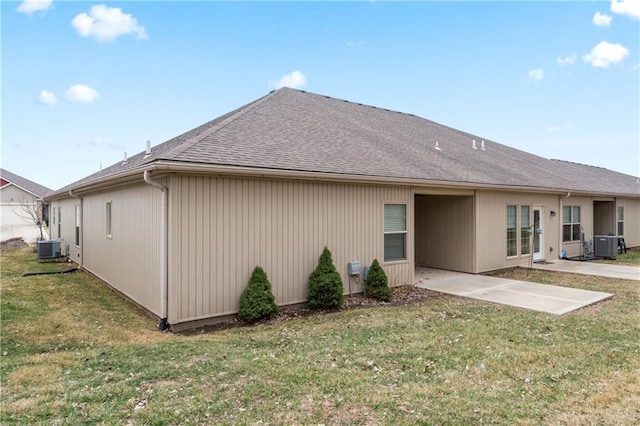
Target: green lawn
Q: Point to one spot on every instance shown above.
(74, 352)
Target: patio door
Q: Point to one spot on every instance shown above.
(538, 236)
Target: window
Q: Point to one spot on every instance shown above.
(620, 221)
(512, 232)
(108, 216)
(571, 223)
(525, 230)
(59, 227)
(395, 232)
(521, 243)
(78, 226)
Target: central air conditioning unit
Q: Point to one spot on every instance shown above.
(49, 249)
(606, 246)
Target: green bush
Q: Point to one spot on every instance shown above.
(377, 284)
(257, 300)
(325, 284)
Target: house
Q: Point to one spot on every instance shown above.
(179, 228)
(21, 205)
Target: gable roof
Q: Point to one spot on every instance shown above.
(297, 131)
(34, 188)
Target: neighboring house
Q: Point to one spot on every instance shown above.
(179, 228)
(21, 202)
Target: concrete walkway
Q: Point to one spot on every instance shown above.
(538, 297)
(624, 272)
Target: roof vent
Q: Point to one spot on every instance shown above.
(148, 151)
(437, 147)
(125, 158)
(474, 144)
(482, 146)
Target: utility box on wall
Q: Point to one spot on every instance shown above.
(354, 268)
(606, 246)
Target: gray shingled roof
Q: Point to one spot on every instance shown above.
(299, 131)
(35, 188)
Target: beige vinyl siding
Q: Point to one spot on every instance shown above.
(604, 215)
(491, 230)
(444, 232)
(574, 248)
(130, 260)
(631, 220)
(222, 227)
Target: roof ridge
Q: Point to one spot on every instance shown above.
(234, 116)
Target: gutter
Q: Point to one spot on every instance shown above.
(132, 174)
(81, 236)
(164, 246)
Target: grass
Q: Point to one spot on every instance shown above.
(73, 352)
(631, 257)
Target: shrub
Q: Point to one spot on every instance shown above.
(257, 300)
(377, 284)
(325, 284)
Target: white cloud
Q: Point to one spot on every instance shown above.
(626, 7)
(567, 60)
(604, 54)
(294, 80)
(30, 6)
(48, 98)
(601, 20)
(81, 93)
(536, 75)
(107, 23)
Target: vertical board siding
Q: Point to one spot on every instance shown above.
(586, 204)
(130, 260)
(444, 232)
(631, 221)
(491, 228)
(222, 227)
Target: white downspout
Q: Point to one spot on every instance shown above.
(164, 245)
(562, 197)
(81, 236)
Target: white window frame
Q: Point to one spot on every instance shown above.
(108, 219)
(572, 223)
(620, 221)
(77, 228)
(386, 232)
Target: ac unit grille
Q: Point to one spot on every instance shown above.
(606, 246)
(48, 249)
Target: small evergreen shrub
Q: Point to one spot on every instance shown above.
(377, 284)
(325, 284)
(257, 300)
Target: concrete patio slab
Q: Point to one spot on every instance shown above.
(538, 297)
(624, 272)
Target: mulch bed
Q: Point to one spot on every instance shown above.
(402, 296)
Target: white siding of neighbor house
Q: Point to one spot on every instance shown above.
(491, 228)
(14, 221)
(62, 228)
(130, 260)
(222, 227)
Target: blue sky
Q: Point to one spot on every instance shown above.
(84, 82)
